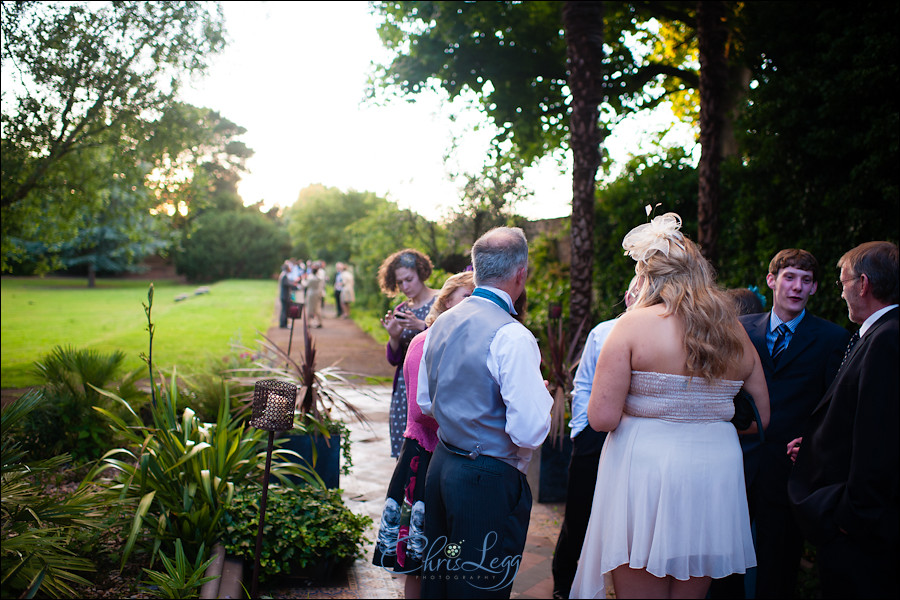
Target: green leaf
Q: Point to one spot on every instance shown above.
(142, 510)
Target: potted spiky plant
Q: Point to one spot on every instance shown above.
(560, 359)
(319, 435)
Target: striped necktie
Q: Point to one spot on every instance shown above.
(780, 342)
(853, 339)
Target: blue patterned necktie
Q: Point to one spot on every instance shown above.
(780, 342)
(853, 339)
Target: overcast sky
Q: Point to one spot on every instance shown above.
(294, 75)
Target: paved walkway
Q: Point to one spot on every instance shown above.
(341, 341)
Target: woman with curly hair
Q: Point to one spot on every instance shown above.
(404, 272)
(670, 507)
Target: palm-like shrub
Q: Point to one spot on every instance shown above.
(320, 391)
(38, 530)
(64, 421)
(178, 473)
(182, 578)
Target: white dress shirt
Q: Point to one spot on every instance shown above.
(584, 375)
(514, 363)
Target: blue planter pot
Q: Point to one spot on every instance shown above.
(328, 459)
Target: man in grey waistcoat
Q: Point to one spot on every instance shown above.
(480, 379)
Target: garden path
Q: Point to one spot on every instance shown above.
(342, 342)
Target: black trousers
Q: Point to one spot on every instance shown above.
(777, 536)
(337, 302)
(283, 317)
(579, 499)
(476, 519)
(858, 568)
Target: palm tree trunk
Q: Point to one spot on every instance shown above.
(712, 34)
(583, 22)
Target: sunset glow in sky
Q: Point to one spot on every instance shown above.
(294, 75)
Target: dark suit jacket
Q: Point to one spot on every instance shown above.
(804, 372)
(846, 474)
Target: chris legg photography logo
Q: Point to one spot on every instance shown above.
(442, 560)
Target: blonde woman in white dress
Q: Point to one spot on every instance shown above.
(669, 510)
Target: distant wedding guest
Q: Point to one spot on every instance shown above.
(286, 287)
(348, 294)
(338, 286)
(405, 271)
(298, 267)
(401, 542)
(844, 486)
(315, 289)
(322, 275)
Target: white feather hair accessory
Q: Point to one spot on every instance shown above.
(645, 240)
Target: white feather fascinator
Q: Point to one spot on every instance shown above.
(645, 240)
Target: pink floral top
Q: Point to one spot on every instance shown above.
(419, 427)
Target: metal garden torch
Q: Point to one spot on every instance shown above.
(273, 410)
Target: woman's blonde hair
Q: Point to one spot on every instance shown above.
(684, 281)
(454, 282)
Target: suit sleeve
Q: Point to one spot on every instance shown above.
(867, 505)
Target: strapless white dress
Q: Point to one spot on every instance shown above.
(670, 494)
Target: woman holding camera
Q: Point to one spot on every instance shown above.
(405, 271)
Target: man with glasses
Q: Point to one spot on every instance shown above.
(800, 354)
(844, 485)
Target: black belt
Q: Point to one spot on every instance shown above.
(459, 451)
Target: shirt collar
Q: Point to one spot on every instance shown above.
(775, 321)
(503, 296)
(867, 324)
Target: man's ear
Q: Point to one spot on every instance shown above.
(865, 286)
(770, 281)
(814, 288)
(522, 275)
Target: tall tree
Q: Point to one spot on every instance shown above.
(319, 219)
(197, 162)
(116, 238)
(712, 34)
(489, 199)
(86, 74)
(584, 41)
(524, 61)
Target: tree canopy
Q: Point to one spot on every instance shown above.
(80, 76)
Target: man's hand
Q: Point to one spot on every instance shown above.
(793, 448)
